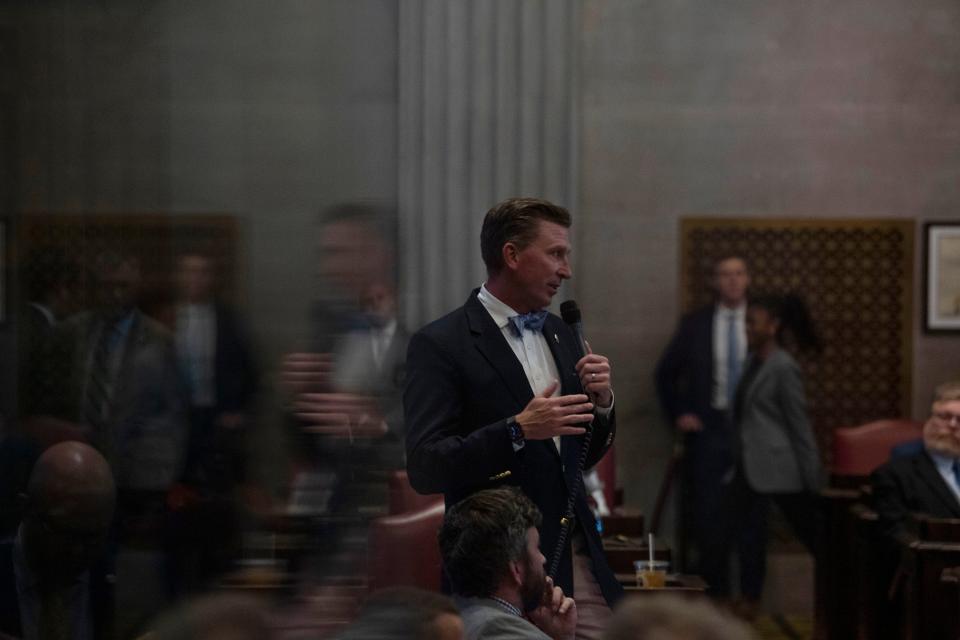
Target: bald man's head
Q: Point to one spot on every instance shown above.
(70, 502)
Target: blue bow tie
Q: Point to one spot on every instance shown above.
(532, 321)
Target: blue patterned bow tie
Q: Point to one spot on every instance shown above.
(532, 321)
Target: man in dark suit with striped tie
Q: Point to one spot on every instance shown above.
(123, 386)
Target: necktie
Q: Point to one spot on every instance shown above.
(532, 321)
(733, 358)
(956, 472)
(98, 392)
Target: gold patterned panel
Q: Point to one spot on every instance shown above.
(856, 277)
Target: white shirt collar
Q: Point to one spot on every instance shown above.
(739, 311)
(942, 461)
(498, 310)
(506, 606)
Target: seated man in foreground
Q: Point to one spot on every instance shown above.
(491, 554)
(927, 482)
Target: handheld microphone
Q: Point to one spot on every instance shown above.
(570, 313)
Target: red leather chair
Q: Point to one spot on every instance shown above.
(403, 549)
(857, 451)
(841, 569)
(402, 497)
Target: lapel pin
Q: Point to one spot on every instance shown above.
(556, 339)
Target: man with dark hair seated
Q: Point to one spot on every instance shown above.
(491, 554)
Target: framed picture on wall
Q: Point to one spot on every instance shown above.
(942, 281)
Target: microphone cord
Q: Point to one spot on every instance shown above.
(567, 521)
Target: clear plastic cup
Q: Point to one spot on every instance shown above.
(651, 575)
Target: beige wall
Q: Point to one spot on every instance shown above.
(759, 108)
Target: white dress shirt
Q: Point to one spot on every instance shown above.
(196, 341)
(944, 465)
(721, 321)
(531, 350)
(380, 340)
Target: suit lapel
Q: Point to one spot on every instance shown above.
(927, 470)
(490, 342)
(562, 357)
(566, 363)
(130, 345)
(707, 330)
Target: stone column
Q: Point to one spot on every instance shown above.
(488, 110)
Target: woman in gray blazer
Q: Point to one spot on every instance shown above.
(778, 456)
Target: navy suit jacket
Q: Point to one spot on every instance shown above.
(911, 484)
(684, 374)
(684, 380)
(235, 373)
(463, 383)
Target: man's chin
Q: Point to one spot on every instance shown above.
(945, 447)
(534, 593)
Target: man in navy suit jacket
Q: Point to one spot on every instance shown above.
(496, 393)
(925, 482)
(928, 481)
(696, 378)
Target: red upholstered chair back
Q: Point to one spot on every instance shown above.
(403, 549)
(857, 451)
(403, 498)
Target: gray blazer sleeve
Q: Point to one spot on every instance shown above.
(508, 628)
(797, 424)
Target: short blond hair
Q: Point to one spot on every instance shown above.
(947, 392)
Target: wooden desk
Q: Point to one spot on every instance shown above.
(623, 521)
(834, 572)
(621, 551)
(677, 584)
(931, 612)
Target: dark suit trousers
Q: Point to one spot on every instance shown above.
(707, 508)
(743, 527)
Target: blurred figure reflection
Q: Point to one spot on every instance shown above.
(346, 394)
(217, 365)
(214, 617)
(123, 387)
(69, 510)
(51, 281)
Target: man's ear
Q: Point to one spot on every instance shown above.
(510, 253)
(516, 572)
